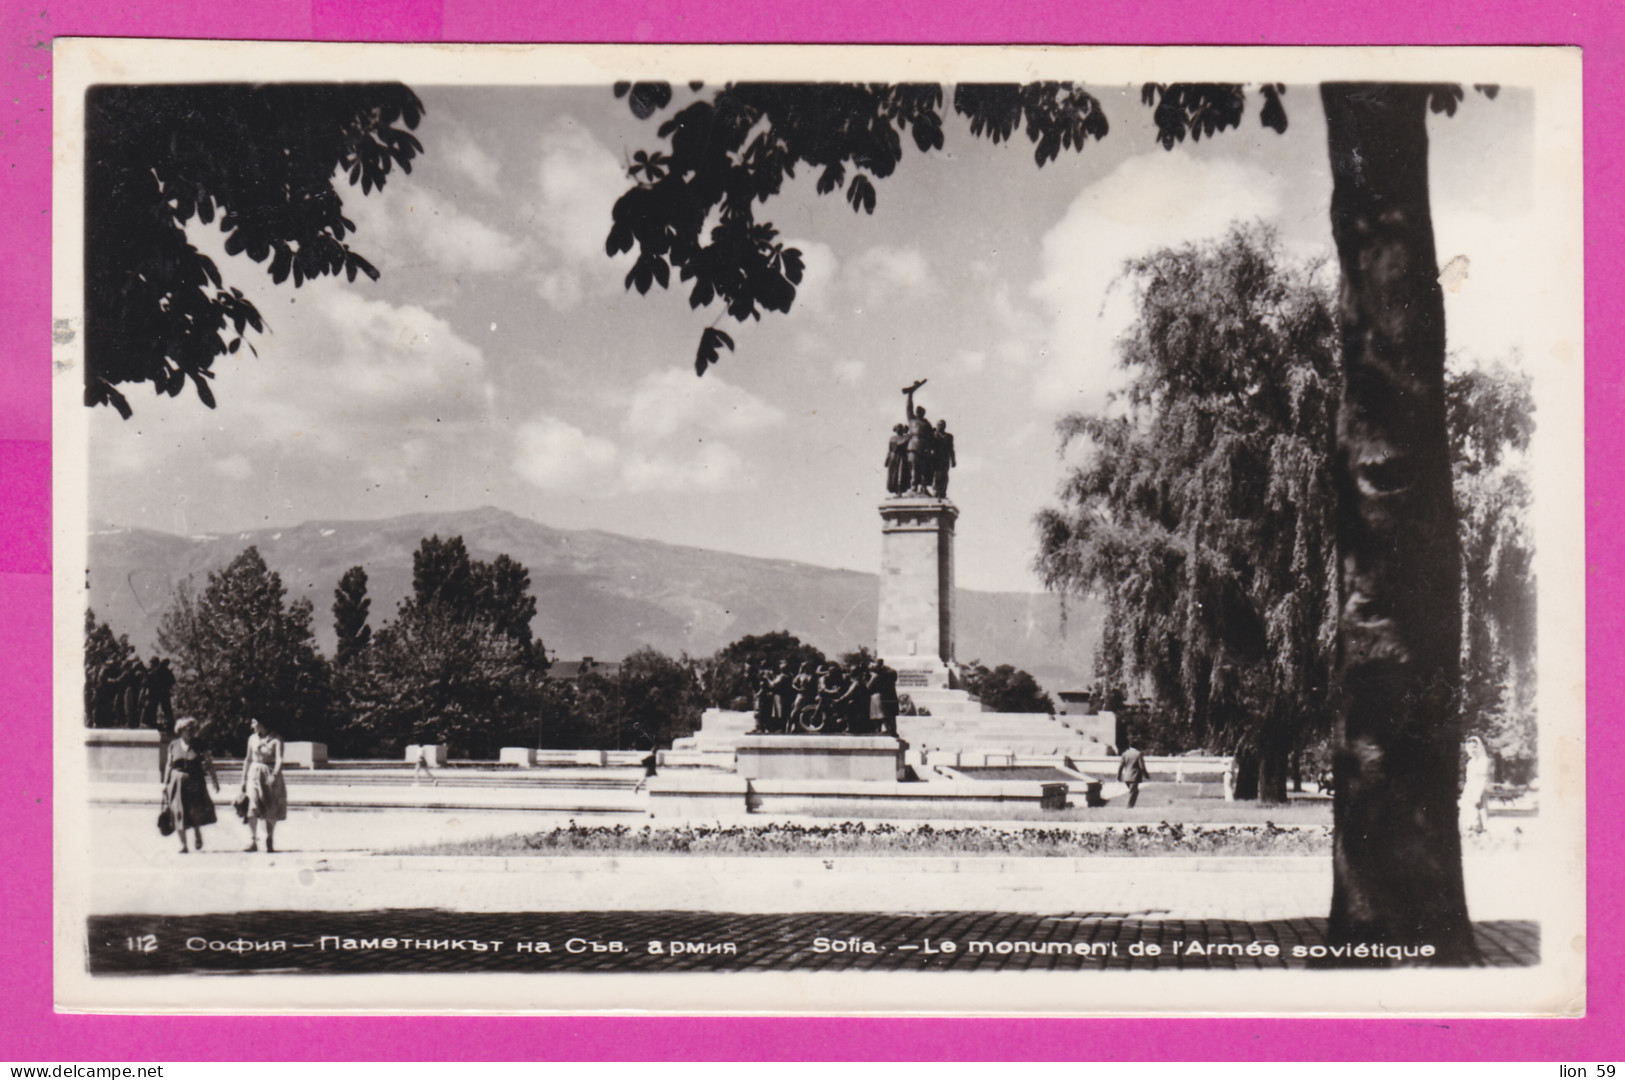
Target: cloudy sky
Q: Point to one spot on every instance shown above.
(500, 361)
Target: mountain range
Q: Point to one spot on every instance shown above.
(598, 594)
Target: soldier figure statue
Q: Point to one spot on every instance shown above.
(920, 438)
(897, 478)
(943, 456)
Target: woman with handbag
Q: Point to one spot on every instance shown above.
(263, 785)
(185, 796)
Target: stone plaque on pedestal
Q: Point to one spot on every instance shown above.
(916, 631)
(820, 757)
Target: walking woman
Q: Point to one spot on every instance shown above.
(1475, 791)
(263, 784)
(184, 791)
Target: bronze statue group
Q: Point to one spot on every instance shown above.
(919, 455)
(825, 700)
(129, 694)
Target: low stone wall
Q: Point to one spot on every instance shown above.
(696, 795)
(304, 755)
(433, 754)
(125, 755)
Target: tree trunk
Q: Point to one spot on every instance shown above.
(1247, 775)
(1272, 768)
(1397, 875)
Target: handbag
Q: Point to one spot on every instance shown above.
(240, 804)
(166, 821)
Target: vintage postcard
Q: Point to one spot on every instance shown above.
(1028, 531)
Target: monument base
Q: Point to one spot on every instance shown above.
(126, 755)
(820, 757)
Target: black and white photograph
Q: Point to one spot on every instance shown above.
(987, 531)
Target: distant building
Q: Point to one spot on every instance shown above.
(571, 670)
(1075, 703)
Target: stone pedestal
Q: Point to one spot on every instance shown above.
(432, 753)
(916, 629)
(126, 755)
(304, 755)
(820, 757)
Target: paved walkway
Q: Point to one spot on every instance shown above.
(327, 881)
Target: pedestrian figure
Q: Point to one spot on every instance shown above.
(1475, 791)
(185, 771)
(263, 784)
(420, 768)
(1131, 770)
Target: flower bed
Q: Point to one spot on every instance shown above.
(859, 838)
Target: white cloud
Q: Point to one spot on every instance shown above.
(578, 181)
(1151, 201)
(713, 467)
(883, 273)
(412, 224)
(352, 379)
(559, 457)
(471, 159)
(234, 467)
(972, 360)
(849, 371)
(819, 275)
(404, 354)
(461, 243)
(673, 438)
(673, 402)
(1487, 312)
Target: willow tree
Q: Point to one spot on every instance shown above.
(1491, 414)
(1203, 515)
(1396, 669)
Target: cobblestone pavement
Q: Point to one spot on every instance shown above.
(426, 941)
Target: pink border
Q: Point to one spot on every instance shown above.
(29, 1030)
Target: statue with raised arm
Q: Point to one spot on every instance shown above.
(920, 443)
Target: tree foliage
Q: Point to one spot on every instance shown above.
(458, 664)
(1006, 689)
(105, 652)
(241, 652)
(1491, 413)
(648, 702)
(350, 610)
(261, 158)
(736, 149)
(1204, 514)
